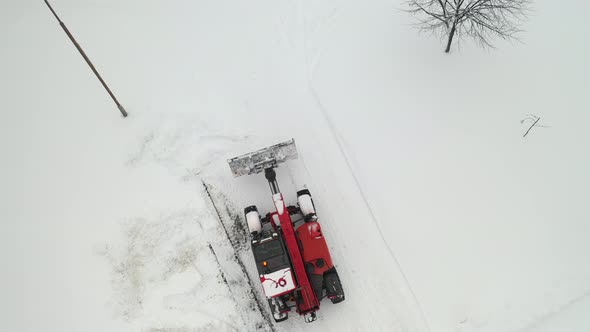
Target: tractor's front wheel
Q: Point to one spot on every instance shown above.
(306, 205)
(253, 219)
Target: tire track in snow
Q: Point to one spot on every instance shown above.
(222, 274)
(549, 315)
(341, 149)
(310, 70)
(263, 313)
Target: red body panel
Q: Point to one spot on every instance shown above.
(314, 247)
(309, 302)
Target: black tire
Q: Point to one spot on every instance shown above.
(337, 299)
(309, 217)
(333, 286)
(282, 319)
(272, 312)
(253, 232)
(250, 209)
(303, 192)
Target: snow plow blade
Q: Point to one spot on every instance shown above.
(258, 161)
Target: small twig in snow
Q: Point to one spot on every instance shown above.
(535, 120)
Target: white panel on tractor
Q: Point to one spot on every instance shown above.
(278, 282)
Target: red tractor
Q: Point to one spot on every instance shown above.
(291, 254)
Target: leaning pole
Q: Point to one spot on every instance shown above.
(104, 84)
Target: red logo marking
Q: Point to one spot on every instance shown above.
(282, 282)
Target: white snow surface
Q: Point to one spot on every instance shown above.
(439, 215)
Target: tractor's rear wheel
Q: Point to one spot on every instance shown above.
(275, 309)
(334, 289)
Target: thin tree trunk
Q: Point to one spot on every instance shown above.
(451, 35)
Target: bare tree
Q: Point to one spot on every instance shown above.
(479, 19)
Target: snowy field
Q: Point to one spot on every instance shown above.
(439, 215)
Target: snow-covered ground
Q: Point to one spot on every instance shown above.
(440, 216)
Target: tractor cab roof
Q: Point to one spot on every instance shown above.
(270, 254)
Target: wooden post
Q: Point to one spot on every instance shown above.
(104, 84)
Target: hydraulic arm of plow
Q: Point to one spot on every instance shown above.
(306, 299)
